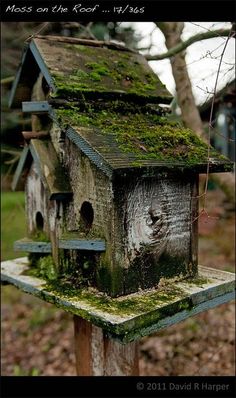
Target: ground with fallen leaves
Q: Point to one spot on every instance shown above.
(37, 339)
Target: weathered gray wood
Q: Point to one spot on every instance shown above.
(31, 246)
(120, 359)
(19, 169)
(42, 65)
(37, 107)
(181, 316)
(98, 355)
(82, 244)
(157, 216)
(16, 89)
(49, 167)
(89, 351)
(51, 171)
(217, 287)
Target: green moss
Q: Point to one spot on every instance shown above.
(170, 266)
(147, 136)
(39, 236)
(100, 69)
(147, 308)
(197, 281)
(184, 306)
(41, 266)
(135, 304)
(109, 281)
(104, 70)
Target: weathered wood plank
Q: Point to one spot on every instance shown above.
(157, 217)
(128, 318)
(19, 168)
(14, 95)
(51, 170)
(120, 360)
(35, 107)
(82, 244)
(31, 246)
(180, 316)
(42, 65)
(89, 351)
(98, 355)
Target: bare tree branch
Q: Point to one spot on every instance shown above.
(183, 45)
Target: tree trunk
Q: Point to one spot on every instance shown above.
(190, 113)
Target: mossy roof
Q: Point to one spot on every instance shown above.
(135, 139)
(119, 135)
(74, 67)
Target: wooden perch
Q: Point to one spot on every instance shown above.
(34, 134)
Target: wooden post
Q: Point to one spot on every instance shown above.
(98, 355)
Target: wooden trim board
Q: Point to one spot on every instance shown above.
(131, 317)
(28, 245)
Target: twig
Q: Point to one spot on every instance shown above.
(38, 31)
(204, 194)
(183, 45)
(210, 120)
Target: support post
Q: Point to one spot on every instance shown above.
(98, 355)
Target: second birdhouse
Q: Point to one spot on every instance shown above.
(112, 182)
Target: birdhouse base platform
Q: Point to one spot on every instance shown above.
(130, 317)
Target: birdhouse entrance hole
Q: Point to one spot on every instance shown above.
(86, 215)
(39, 221)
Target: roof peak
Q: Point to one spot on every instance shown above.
(86, 42)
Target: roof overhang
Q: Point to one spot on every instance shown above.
(43, 154)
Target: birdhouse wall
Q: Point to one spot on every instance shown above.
(92, 189)
(89, 185)
(42, 213)
(159, 236)
(147, 223)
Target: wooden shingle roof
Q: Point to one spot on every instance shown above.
(74, 67)
(106, 98)
(117, 142)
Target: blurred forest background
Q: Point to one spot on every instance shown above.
(37, 338)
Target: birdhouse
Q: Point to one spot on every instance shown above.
(111, 179)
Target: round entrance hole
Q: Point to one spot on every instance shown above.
(86, 215)
(39, 221)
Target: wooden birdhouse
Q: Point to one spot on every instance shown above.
(111, 200)
(112, 181)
